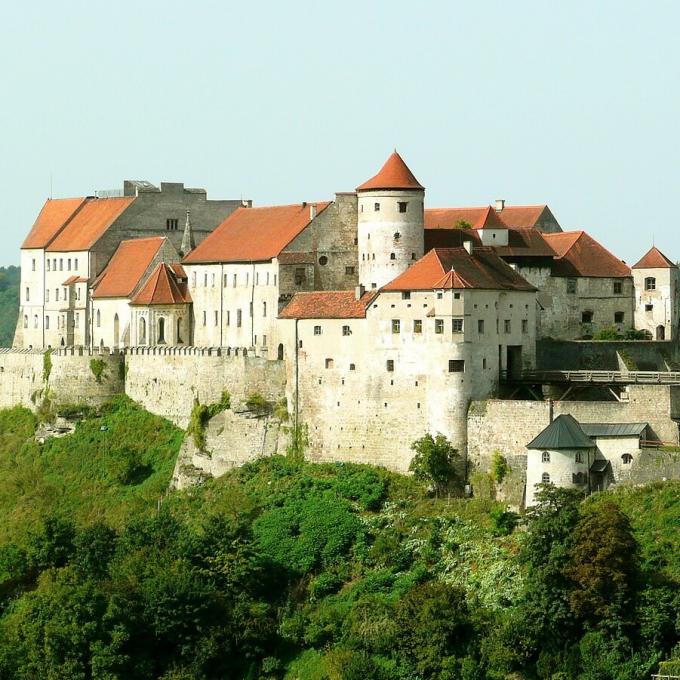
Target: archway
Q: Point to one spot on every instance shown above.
(660, 332)
(116, 331)
(280, 352)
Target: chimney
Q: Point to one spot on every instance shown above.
(469, 246)
(500, 204)
(359, 292)
(312, 211)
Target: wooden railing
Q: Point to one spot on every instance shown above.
(599, 377)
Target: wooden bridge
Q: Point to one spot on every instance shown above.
(604, 378)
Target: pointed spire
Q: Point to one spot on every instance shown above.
(188, 243)
(395, 174)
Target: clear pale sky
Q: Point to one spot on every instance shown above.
(572, 104)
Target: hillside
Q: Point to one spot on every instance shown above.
(10, 278)
(283, 569)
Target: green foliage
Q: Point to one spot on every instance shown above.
(433, 461)
(299, 440)
(605, 334)
(627, 360)
(47, 365)
(284, 569)
(632, 334)
(201, 414)
(462, 224)
(98, 368)
(10, 279)
(256, 402)
(499, 467)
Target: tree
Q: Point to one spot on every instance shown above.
(602, 564)
(434, 461)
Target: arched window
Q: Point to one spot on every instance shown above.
(47, 323)
(35, 321)
(626, 458)
(545, 478)
(25, 321)
(142, 331)
(179, 332)
(28, 294)
(545, 457)
(99, 319)
(650, 283)
(280, 352)
(578, 458)
(161, 331)
(264, 309)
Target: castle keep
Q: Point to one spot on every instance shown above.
(376, 318)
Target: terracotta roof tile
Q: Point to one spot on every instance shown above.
(89, 224)
(482, 269)
(334, 304)
(74, 279)
(179, 271)
(525, 243)
(485, 217)
(654, 259)
(579, 254)
(395, 174)
(126, 268)
(52, 218)
(254, 234)
(522, 216)
(162, 288)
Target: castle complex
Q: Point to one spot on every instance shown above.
(378, 319)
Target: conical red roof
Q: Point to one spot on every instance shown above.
(395, 174)
(654, 259)
(161, 288)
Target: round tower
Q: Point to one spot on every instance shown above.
(391, 223)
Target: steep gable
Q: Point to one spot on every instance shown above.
(579, 254)
(162, 288)
(654, 259)
(394, 174)
(53, 217)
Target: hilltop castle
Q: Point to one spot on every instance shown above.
(387, 318)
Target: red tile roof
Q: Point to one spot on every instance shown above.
(89, 224)
(334, 304)
(179, 271)
(126, 268)
(395, 174)
(525, 243)
(74, 279)
(54, 215)
(162, 288)
(654, 259)
(254, 234)
(482, 269)
(579, 254)
(452, 218)
(522, 216)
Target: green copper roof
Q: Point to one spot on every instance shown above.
(563, 433)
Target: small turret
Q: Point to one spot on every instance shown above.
(188, 243)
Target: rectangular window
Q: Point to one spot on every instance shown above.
(406, 295)
(228, 318)
(480, 326)
(250, 310)
(205, 280)
(525, 326)
(61, 265)
(264, 309)
(507, 326)
(396, 326)
(217, 318)
(264, 341)
(390, 366)
(224, 282)
(650, 283)
(439, 326)
(28, 295)
(586, 317)
(257, 278)
(33, 264)
(571, 286)
(56, 295)
(349, 271)
(317, 330)
(69, 264)
(457, 325)
(618, 287)
(649, 308)
(239, 318)
(456, 366)
(205, 318)
(234, 281)
(618, 317)
(171, 224)
(299, 276)
(75, 266)
(402, 206)
(346, 330)
(440, 296)
(48, 264)
(47, 295)
(417, 326)
(329, 363)
(376, 207)
(456, 296)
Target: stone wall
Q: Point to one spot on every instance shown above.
(165, 381)
(71, 378)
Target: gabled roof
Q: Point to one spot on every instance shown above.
(254, 234)
(162, 288)
(484, 217)
(126, 268)
(334, 304)
(525, 243)
(89, 224)
(579, 254)
(563, 433)
(74, 279)
(522, 216)
(54, 215)
(482, 269)
(395, 174)
(654, 259)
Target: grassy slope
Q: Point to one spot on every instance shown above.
(113, 467)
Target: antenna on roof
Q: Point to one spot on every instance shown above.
(50, 186)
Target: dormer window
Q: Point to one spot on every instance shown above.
(650, 283)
